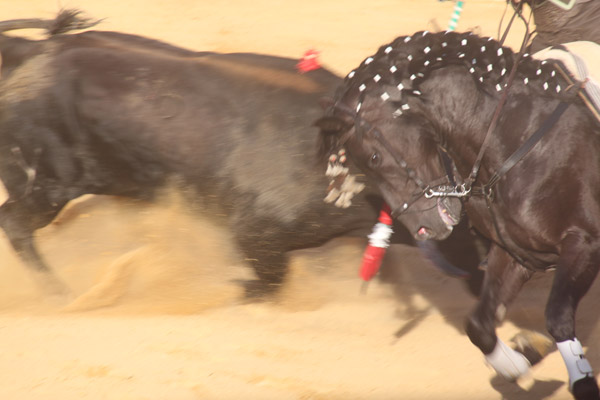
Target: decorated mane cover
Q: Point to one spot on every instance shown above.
(447, 124)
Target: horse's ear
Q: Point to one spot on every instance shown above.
(332, 125)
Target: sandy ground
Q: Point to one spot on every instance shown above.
(173, 325)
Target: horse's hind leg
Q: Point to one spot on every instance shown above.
(574, 275)
(503, 279)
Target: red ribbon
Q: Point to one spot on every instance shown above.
(373, 255)
(309, 61)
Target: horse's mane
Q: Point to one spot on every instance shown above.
(398, 68)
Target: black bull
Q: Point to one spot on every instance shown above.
(116, 114)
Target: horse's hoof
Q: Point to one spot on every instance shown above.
(533, 345)
(586, 389)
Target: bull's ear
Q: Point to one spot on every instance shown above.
(326, 102)
(332, 125)
(331, 128)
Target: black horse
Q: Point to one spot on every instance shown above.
(414, 117)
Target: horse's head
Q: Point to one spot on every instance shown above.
(405, 167)
(378, 117)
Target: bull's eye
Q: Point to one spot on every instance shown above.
(375, 160)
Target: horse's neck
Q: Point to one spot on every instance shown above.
(462, 115)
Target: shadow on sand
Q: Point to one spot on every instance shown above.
(415, 282)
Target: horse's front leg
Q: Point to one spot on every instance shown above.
(504, 277)
(578, 266)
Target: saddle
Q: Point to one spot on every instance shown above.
(579, 62)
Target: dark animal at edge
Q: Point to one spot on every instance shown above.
(117, 114)
(426, 98)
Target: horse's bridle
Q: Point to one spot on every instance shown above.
(465, 189)
(439, 188)
(445, 186)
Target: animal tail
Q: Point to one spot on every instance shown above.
(67, 20)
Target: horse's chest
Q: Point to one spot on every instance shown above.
(508, 230)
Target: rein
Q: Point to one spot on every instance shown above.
(526, 147)
(477, 165)
(515, 157)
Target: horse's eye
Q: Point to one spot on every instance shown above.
(375, 160)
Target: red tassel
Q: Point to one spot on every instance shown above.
(371, 262)
(309, 61)
(378, 244)
(385, 216)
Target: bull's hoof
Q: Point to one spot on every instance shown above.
(260, 290)
(533, 345)
(50, 285)
(586, 389)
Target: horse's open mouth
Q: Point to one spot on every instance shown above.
(424, 233)
(449, 211)
(446, 213)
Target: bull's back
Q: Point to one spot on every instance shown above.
(218, 121)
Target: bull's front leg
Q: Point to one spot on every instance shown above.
(19, 219)
(266, 255)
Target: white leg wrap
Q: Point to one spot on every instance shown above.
(577, 365)
(507, 362)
